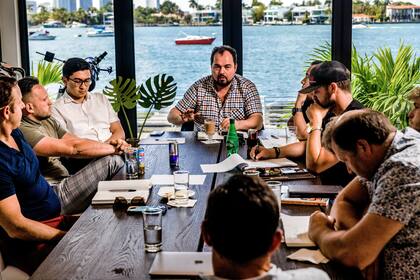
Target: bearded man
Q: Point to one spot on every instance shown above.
(220, 96)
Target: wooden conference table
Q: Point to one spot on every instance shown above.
(104, 244)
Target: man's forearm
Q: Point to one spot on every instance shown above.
(254, 121)
(345, 215)
(293, 150)
(85, 148)
(32, 230)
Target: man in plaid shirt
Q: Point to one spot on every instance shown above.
(220, 96)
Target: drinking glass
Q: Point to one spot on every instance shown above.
(291, 134)
(131, 163)
(275, 186)
(210, 128)
(251, 172)
(181, 182)
(152, 229)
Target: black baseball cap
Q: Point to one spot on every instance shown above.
(326, 73)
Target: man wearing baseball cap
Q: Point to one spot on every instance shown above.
(330, 82)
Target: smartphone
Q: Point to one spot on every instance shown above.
(157, 133)
(139, 209)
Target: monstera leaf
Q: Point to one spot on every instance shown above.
(159, 94)
(123, 94)
(156, 93)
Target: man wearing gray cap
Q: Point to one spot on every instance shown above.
(330, 82)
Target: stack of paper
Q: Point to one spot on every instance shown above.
(296, 231)
(109, 190)
(236, 160)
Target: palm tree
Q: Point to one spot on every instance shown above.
(193, 4)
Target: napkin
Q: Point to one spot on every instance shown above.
(313, 256)
(169, 179)
(191, 203)
(169, 192)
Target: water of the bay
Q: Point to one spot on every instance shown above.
(274, 56)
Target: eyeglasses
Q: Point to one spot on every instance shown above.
(121, 203)
(80, 82)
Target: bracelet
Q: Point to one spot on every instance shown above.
(277, 150)
(315, 128)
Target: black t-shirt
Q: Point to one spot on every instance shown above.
(338, 174)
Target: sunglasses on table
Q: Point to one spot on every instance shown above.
(121, 203)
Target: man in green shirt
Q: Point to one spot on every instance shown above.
(50, 142)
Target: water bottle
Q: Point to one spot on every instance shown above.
(232, 141)
(140, 159)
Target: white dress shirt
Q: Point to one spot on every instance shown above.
(90, 119)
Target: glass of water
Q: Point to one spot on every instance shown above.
(181, 182)
(152, 229)
(131, 163)
(275, 186)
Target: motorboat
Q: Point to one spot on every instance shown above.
(195, 40)
(359, 26)
(101, 32)
(41, 36)
(53, 24)
(76, 24)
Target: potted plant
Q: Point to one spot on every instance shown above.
(155, 93)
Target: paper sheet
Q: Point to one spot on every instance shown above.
(169, 179)
(161, 141)
(235, 160)
(313, 256)
(296, 231)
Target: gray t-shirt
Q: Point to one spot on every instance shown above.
(51, 167)
(277, 273)
(395, 194)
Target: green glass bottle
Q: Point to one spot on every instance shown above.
(232, 141)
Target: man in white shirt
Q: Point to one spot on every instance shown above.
(83, 113)
(241, 224)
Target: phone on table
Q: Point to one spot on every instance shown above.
(157, 133)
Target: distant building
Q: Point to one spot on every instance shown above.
(100, 3)
(69, 5)
(154, 4)
(31, 6)
(83, 4)
(46, 5)
(362, 18)
(316, 14)
(403, 13)
(247, 16)
(204, 16)
(275, 14)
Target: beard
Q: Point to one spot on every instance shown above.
(329, 103)
(222, 81)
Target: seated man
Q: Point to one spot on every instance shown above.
(241, 224)
(50, 141)
(378, 212)
(82, 113)
(25, 196)
(220, 96)
(414, 115)
(330, 82)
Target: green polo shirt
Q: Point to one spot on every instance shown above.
(51, 167)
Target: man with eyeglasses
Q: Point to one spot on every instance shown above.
(83, 113)
(220, 96)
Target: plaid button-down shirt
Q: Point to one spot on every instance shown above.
(242, 100)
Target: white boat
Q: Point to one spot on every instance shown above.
(41, 36)
(194, 40)
(359, 26)
(101, 32)
(76, 24)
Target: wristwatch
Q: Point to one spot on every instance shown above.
(295, 110)
(310, 128)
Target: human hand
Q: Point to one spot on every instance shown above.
(259, 152)
(316, 114)
(300, 99)
(189, 115)
(225, 124)
(318, 222)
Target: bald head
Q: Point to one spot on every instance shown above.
(367, 124)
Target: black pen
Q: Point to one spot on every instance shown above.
(274, 136)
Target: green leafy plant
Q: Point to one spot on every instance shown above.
(155, 93)
(381, 81)
(123, 94)
(47, 72)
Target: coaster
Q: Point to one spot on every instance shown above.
(169, 192)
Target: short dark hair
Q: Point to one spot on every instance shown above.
(221, 50)
(241, 219)
(74, 64)
(367, 124)
(26, 84)
(315, 62)
(6, 86)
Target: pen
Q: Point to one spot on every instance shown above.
(274, 136)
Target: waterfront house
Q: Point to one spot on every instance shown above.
(316, 14)
(204, 16)
(403, 13)
(362, 18)
(275, 14)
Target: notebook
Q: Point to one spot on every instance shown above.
(296, 231)
(182, 264)
(109, 190)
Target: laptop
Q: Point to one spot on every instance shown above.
(182, 264)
